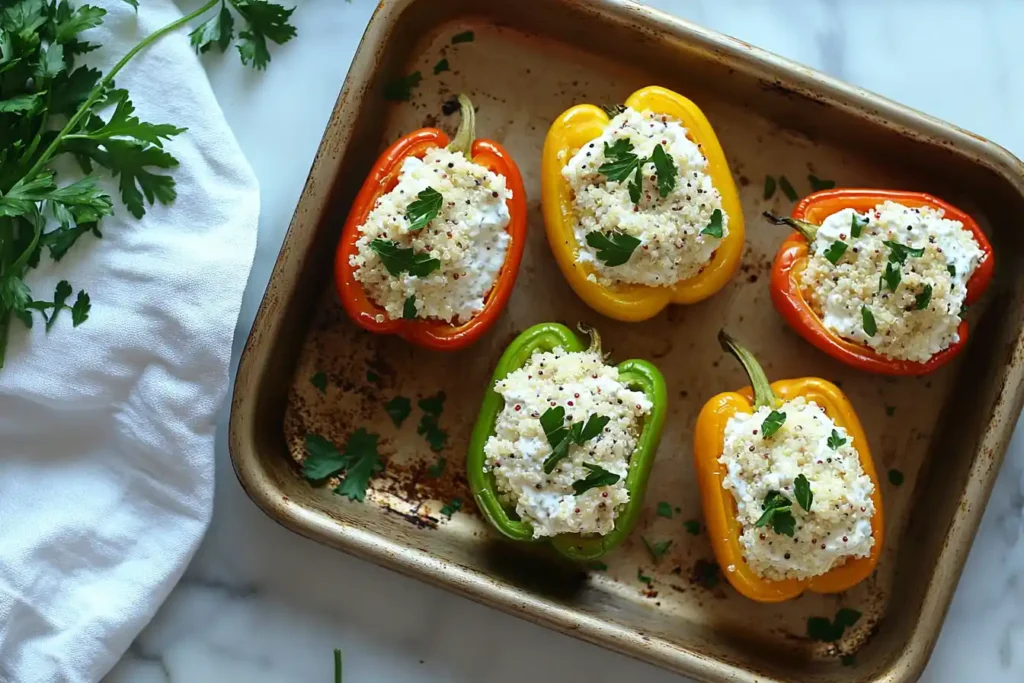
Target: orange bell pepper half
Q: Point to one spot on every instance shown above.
(432, 334)
(789, 301)
(720, 512)
(629, 302)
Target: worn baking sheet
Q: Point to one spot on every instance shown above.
(529, 61)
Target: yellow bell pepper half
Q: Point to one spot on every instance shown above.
(628, 302)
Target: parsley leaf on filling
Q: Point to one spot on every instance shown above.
(425, 208)
(400, 260)
(772, 423)
(835, 251)
(597, 476)
(868, 318)
(715, 228)
(614, 249)
(802, 490)
(777, 514)
(666, 170)
(924, 298)
(561, 437)
(835, 441)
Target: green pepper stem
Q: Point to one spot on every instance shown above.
(595, 338)
(613, 110)
(763, 394)
(808, 230)
(464, 137)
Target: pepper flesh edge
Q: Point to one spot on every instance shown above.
(639, 374)
(432, 334)
(629, 302)
(787, 294)
(720, 512)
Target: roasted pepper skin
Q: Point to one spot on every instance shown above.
(431, 334)
(631, 303)
(791, 259)
(724, 529)
(639, 374)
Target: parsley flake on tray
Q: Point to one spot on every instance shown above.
(357, 463)
(53, 110)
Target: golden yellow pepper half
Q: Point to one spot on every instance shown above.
(630, 302)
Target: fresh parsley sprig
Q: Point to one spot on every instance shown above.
(773, 423)
(716, 227)
(597, 476)
(51, 109)
(561, 437)
(622, 163)
(425, 208)
(777, 514)
(613, 249)
(400, 260)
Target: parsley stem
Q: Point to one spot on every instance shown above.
(102, 85)
(763, 394)
(337, 665)
(464, 137)
(595, 338)
(808, 230)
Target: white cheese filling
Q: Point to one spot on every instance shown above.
(920, 316)
(838, 525)
(583, 385)
(669, 228)
(468, 237)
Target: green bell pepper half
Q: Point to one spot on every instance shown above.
(639, 375)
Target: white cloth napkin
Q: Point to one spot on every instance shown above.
(106, 430)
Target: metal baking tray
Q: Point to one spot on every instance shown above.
(530, 60)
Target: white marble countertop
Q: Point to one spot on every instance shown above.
(260, 604)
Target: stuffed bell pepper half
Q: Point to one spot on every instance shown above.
(881, 280)
(790, 495)
(433, 242)
(565, 443)
(641, 210)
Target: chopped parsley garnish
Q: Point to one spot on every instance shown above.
(398, 409)
(398, 260)
(644, 578)
(951, 269)
(820, 628)
(692, 526)
(657, 549)
(372, 377)
(433, 405)
(453, 506)
(665, 169)
(437, 469)
(890, 410)
(868, 318)
(818, 184)
(899, 253)
(80, 311)
(835, 441)
(857, 225)
(400, 89)
(922, 300)
(596, 477)
(835, 251)
(664, 510)
(357, 463)
(620, 161)
(423, 209)
(772, 423)
(895, 477)
(787, 188)
(802, 490)
(891, 277)
(561, 437)
(777, 514)
(441, 66)
(715, 227)
(409, 309)
(598, 566)
(464, 37)
(615, 249)
(769, 187)
(319, 380)
(432, 432)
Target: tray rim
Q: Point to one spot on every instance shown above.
(319, 526)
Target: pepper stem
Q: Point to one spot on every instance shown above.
(464, 137)
(613, 110)
(808, 230)
(763, 394)
(595, 338)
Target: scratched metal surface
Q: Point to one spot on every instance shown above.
(526, 65)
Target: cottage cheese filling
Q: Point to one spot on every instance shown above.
(838, 525)
(468, 237)
(673, 243)
(583, 385)
(915, 305)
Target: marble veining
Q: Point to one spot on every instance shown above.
(260, 604)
